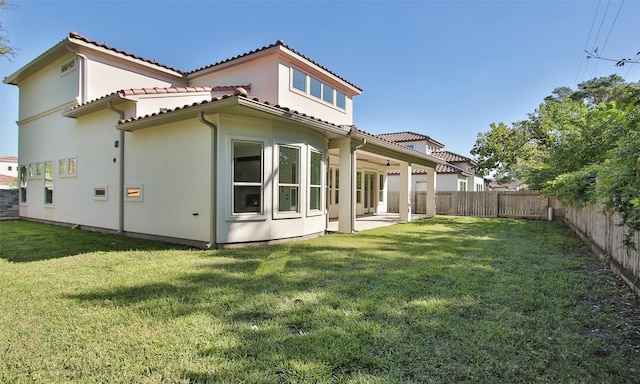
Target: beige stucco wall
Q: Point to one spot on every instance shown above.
(55, 137)
(48, 89)
(260, 73)
(172, 165)
(269, 225)
(105, 75)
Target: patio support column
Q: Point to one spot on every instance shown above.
(404, 198)
(431, 192)
(345, 194)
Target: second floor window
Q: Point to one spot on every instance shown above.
(316, 88)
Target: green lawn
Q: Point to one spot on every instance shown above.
(440, 300)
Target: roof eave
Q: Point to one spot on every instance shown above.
(82, 110)
(38, 63)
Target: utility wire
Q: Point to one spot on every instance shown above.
(586, 45)
(595, 48)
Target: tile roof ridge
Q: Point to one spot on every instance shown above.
(281, 43)
(78, 36)
(182, 89)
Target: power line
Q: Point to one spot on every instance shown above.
(595, 48)
(586, 45)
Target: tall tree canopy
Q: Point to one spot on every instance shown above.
(578, 145)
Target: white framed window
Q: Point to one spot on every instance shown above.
(35, 171)
(133, 193)
(341, 100)
(67, 167)
(327, 93)
(315, 181)
(299, 80)
(247, 183)
(288, 179)
(23, 184)
(381, 188)
(462, 185)
(48, 182)
(359, 187)
(311, 86)
(101, 193)
(479, 187)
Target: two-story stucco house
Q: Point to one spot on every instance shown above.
(458, 174)
(257, 148)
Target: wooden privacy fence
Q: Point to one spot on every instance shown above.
(521, 204)
(606, 236)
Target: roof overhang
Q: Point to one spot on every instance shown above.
(234, 105)
(96, 105)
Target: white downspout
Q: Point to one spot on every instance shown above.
(214, 179)
(121, 172)
(82, 75)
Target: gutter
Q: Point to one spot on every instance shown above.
(121, 172)
(214, 179)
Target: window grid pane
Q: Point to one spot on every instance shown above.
(247, 177)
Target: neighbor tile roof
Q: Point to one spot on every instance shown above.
(8, 158)
(452, 157)
(448, 168)
(400, 137)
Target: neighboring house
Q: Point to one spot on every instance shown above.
(256, 148)
(458, 174)
(8, 172)
(416, 141)
(510, 186)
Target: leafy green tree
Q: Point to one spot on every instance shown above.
(579, 145)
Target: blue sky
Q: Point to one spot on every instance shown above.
(445, 69)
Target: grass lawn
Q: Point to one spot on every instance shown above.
(440, 300)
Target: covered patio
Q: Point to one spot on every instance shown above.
(363, 223)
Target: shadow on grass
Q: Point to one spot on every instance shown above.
(371, 304)
(26, 241)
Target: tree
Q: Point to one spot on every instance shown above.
(579, 145)
(5, 49)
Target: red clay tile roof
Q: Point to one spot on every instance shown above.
(448, 168)
(400, 137)
(9, 158)
(4, 179)
(150, 91)
(420, 171)
(132, 119)
(277, 43)
(440, 168)
(452, 157)
(77, 36)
